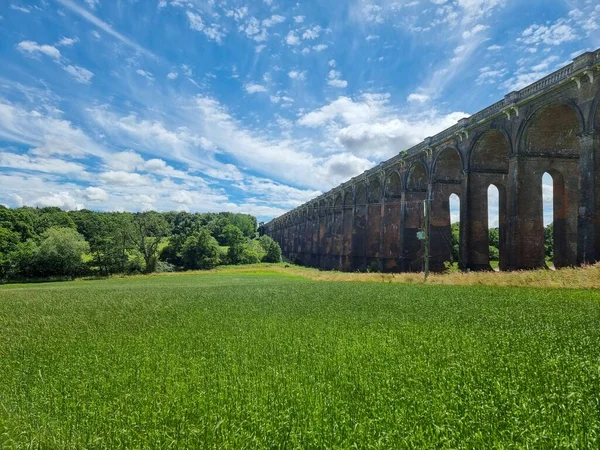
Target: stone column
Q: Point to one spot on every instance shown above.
(588, 218)
(526, 224)
(440, 226)
(477, 226)
(464, 225)
(413, 249)
(347, 241)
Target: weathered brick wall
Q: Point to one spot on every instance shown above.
(392, 223)
(550, 126)
(374, 228)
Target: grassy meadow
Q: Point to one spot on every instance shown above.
(264, 358)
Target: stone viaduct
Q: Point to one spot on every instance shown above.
(550, 126)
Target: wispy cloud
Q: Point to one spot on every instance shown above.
(85, 14)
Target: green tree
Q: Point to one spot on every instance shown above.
(9, 244)
(147, 232)
(61, 252)
(549, 241)
(231, 235)
(271, 248)
(200, 251)
(245, 222)
(495, 237)
(455, 240)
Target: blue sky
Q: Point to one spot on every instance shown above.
(250, 107)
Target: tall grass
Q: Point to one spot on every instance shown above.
(268, 361)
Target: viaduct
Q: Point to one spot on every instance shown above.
(550, 126)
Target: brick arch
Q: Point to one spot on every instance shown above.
(360, 194)
(374, 191)
(348, 198)
(393, 186)
(417, 178)
(448, 165)
(552, 130)
(338, 202)
(490, 152)
(321, 208)
(314, 210)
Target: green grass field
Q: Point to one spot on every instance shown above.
(265, 360)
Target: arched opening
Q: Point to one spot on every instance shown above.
(338, 219)
(326, 261)
(359, 237)
(391, 223)
(322, 224)
(552, 133)
(348, 224)
(487, 243)
(417, 183)
(417, 179)
(314, 244)
(374, 226)
(306, 236)
(494, 226)
(445, 202)
(548, 213)
(454, 213)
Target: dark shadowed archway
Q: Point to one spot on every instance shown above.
(392, 222)
(338, 229)
(348, 219)
(549, 143)
(417, 185)
(359, 231)
(447, 180)
(489, 160)
(374, 228)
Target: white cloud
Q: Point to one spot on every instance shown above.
(172, 75)
(81, 74)
(145, 74)
(103, 26)
(253, 88)
(292, 39)
(20, 8)
(370, 129)
(40, 164)
(297, 75)
(67, 42)
(552, 34)
(237, 13)
(333, 79)
(312, 33)
(299, 19)
(273, 20)
(34, 49)
(96, 194)
(212, 32)
(62, 200)
(346, 109)
(47, 135)
(419, 98)
(122, 178)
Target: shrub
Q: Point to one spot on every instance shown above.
(61, 253)
(271, 248)
(200, 251)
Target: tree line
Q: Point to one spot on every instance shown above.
(38, 243)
